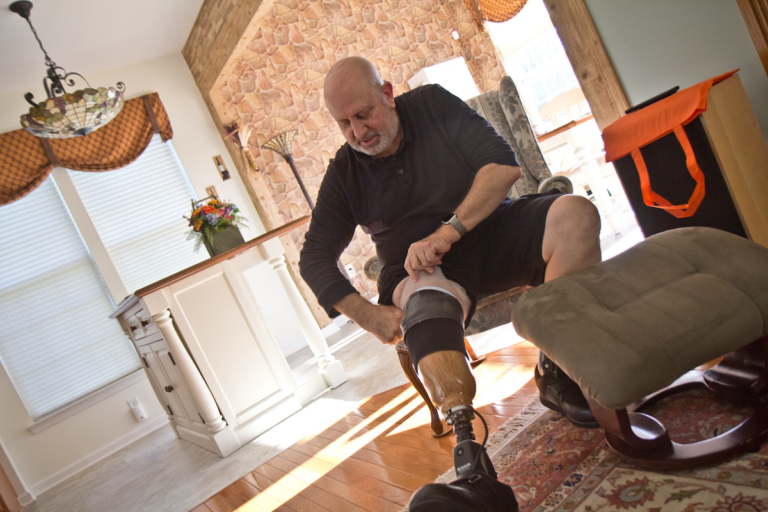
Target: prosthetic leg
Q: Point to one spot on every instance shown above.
(433, 328)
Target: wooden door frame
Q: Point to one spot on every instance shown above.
(586, 52)
(755, 13)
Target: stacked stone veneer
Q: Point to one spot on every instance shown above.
(277, 82)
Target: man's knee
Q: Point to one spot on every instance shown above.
(572, 217)
(431, 281)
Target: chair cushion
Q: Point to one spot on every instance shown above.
(504, 111)
(632, 325)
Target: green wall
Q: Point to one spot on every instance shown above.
(658, 44)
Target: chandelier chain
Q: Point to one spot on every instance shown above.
(48, 61)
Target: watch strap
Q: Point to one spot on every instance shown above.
(457, 225)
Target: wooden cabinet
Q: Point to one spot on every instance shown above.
(741, 152)
(177, 401)
(210, 356)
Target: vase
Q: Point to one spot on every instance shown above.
(224, 240)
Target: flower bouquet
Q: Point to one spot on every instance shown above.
(210, 222)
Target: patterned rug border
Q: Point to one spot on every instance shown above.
(499, 439)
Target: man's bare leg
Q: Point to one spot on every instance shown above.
(571, 236)
(571, 243)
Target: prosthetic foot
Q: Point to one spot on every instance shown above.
(476, 488)
(433, 328)
(558, 392)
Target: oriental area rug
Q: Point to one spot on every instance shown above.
(554, 466)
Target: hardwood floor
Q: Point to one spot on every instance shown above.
(376, 456)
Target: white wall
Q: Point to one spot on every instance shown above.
(655, 45)
(44, 459)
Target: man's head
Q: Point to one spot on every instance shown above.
(363, 106)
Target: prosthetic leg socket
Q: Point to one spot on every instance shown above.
(476, 489)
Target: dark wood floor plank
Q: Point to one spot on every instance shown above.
(413, 454)
(409, 482)
(363, 482)
(266, 498)
(380, 459)
(275, 486)
(421, 432)
(233, 497)
(443, 448)
(383, 490)
(374, 458)
(319, 489)
(218, 503)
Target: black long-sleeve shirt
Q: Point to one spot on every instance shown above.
(402, 198)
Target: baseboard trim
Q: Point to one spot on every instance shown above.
(26, 499)
(294, 347)
(145, 428)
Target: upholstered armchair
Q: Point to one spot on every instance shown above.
(504, 111)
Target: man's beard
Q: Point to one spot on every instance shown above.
(386, 136)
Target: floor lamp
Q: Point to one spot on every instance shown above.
(281, 144)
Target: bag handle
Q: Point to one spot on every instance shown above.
(654, 200)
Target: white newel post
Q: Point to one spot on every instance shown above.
(330, 367)
(201, 395)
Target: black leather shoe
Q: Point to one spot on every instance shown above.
(474, 492)
(558, 392)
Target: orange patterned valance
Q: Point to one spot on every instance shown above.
(494, 10)
(25, 160)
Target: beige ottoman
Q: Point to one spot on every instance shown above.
(629, 327)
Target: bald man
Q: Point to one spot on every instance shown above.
(428, 178)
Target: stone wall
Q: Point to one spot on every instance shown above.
(276, 83)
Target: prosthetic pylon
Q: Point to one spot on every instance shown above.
(451, 385)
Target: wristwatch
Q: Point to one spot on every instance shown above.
(457, 225)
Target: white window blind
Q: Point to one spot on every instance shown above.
(57, 343)
(138, 213)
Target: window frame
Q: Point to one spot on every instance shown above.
(115, 290)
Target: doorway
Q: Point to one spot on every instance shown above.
(533, 56)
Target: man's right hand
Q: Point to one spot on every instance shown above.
(385, 324)
(381, 321)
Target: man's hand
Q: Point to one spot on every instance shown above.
(381, 321)
(428, 253)
(385, 324)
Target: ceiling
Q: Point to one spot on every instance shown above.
(87, 36)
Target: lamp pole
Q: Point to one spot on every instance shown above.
(281, 144)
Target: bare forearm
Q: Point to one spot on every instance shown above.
(354, 307)
(489, 189)
(382, 321)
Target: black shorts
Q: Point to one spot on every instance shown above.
(500, 253)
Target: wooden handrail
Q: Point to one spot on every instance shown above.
(178, 276)
(567, 126)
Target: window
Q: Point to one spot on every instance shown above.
(58, 343)
(534, 57)
(138, 212)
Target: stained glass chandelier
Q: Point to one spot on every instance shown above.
(63, 114)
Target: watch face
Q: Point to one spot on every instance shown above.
(448, 218)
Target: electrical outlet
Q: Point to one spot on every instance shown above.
(350, 270)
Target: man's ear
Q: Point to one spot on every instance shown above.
(389, 94)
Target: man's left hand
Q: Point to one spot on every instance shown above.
(428, 253)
